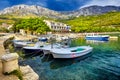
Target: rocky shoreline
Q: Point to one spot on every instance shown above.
(2, 76)
(27, 71)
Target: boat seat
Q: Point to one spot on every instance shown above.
(79, 49)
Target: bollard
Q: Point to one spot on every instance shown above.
(9, 62)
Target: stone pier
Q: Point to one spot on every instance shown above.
(9, 62)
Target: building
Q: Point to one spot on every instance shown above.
(57, 26)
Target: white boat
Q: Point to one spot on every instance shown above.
(61, 38)
(33, 49)
(47, 48)
(71, 52)
(39, 47)
(19, 43)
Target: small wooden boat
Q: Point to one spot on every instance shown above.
(71, 52)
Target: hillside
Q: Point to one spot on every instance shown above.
(97, 23)
(92, 10)
(20, 11)
(27, 11)
(6, 20)
(87, 19)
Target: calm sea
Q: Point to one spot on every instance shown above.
(103, 63)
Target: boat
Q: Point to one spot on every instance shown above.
(61, 38)
(20, 43)
(40, 47)
(97, 37)
(33, 49)
(71, 52)
(47, 49)
(43, 39)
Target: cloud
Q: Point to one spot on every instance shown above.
(102, 3)
(37, 2)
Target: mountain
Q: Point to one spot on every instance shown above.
(26, 10)
(108, 22)
(37, 11)
(93, 10)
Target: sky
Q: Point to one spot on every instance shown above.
(59, 5)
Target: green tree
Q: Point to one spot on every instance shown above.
(32, 24)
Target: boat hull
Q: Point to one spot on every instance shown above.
(101, 38)
(46, 51)
(31, 50)
(19, 45)
(71, 54)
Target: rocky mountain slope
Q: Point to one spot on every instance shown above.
(27, 10)
(93, 10)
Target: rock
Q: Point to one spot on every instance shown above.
(9, 62)
(10, 56)
(28, 73)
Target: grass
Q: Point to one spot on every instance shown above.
(15, 72)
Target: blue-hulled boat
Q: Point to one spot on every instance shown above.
(97, 37)
(43, 39)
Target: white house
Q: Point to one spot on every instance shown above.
(57, 26)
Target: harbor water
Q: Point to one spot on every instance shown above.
(103, 63)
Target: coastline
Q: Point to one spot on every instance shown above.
(2, 52)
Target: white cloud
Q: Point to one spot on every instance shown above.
(102, 3)
(40, 3)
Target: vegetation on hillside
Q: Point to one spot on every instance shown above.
(32, 24)
(109, 22)
(2, 29)
(6, 20)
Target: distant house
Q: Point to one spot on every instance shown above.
(57, 26)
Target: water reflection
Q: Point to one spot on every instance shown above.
(47, 58)
(96, 41)
(60, 63)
